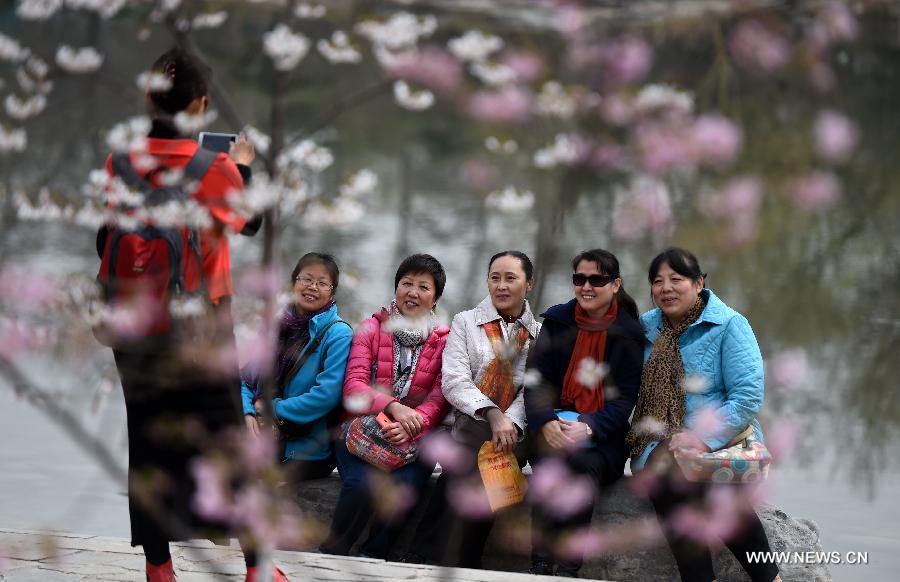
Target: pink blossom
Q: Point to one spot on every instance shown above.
(547, 477)
(788, 367)
(441, 448)
(526, 65)
(469, 499)
(507, 105)
(814, 191)
(716, 140)
(583, 55)
(707, 423)
(757, 48)
(570, 19)
(260, 282)
(560, 492)
(255, 454)
(719, 518)
(662, 148)
(608, 156)
(16, 336)
(835, 136)
(739, 196)
(628, 59)
(429, 67)
(479, 174)
(211, 498)
(833, 24)
(25, 287)
(617, 109)
(644, 208)
(781, 438)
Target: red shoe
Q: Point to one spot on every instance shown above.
(163, 573)
(277, 575)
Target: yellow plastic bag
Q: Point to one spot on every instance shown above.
(503, 479)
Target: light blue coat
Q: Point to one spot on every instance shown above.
(725, 368)
(315, 390)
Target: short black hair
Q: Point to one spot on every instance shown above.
(318, 259)
(189, 77)
(680, 260)
(527, 265)
(422, 263)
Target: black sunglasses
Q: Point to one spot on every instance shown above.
(579, 279)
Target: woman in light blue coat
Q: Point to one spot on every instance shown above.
(701, 386)
(313, 346)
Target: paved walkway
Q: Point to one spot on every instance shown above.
(33, 556)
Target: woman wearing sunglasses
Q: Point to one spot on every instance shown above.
(584, 375)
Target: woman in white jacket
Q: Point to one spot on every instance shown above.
(483, 376)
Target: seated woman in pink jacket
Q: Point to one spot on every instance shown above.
(395, 368)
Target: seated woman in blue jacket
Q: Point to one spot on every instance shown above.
(313, 346)
(575, 412)
(702, 385)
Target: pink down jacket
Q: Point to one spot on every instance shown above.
(425, 396)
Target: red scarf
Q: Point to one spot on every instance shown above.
(590, 343)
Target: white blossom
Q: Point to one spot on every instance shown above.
(37, 67)
(340, 212)
(309, 11)
(412, 100)
(401, 31)
(555, 101)
(307, 154)
(21, 109)
(169, 5)
(510, 200)
(590, 372)
(695, 383)
(13, 140)
(652, 97)
(493, 74)
(563, 151)
(129, 135)
(475, 46)
(497, 146)
(260, 196)
(31, 85)
(285, 47)
(189, 123)
(174, 213)
(339, 49)
(187, 306)
(38, 9)
(359, 184)
(83, 60)
(154, 82)
(209, 20)
(649, 425)
(260, 140)
(11, 50)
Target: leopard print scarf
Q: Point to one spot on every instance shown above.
(660, 407)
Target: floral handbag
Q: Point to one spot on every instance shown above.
(743, 460)
(364, 439)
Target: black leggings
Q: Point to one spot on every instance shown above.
(693, 557)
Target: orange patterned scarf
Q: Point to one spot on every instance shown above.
(497, 383)
(590, 343)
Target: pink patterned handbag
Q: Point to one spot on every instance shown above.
(743, 460)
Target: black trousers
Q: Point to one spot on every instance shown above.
(693, 557)
(448, 537)
(550, 527)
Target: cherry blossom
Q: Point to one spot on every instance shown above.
(359, 184)
(410, 99)
(835, 136)
(475, 46)
(715, 140)
(338, 49)
(308, 11)
(13, 140)
(21, 109)
(401, 31)
(654, 97)
(814, 191)
(566, 150)
(757, 48)
(591, 372)
(11, 50)
(429, 67)
(153, 82)
(285, 47)
(209, 20)
(497, 146)
(788, 368)
(554, 101)
(38, 9)
(190, 124)
(83, 60)
(510, 200)
(510, 105)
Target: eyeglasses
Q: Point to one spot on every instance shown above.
(320, 285)
(579, 279)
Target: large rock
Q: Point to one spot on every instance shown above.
(508, 550)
